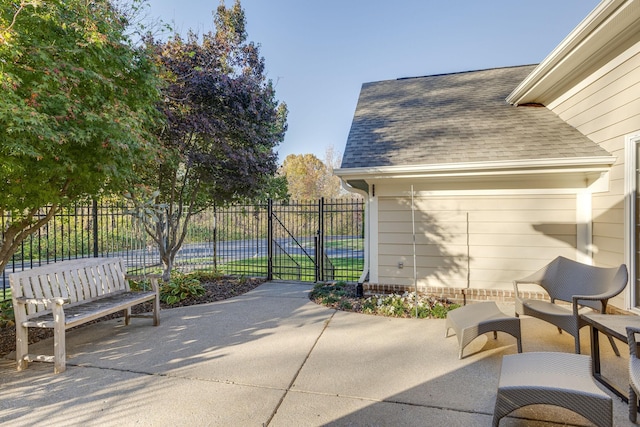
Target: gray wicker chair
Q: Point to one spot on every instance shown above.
(634, 373)
(581, 285)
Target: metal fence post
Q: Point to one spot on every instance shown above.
(95, 228)
(320, 248)
(215, 238)
(270, 239)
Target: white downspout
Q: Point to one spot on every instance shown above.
(367, 220)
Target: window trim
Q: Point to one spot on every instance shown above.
(630, 190)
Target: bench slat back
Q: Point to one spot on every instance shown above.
(78, 280)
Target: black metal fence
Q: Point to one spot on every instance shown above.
(309, 241)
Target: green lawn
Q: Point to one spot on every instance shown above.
(297, 267)
(353, 244)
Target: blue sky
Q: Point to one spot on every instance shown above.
(318, 53)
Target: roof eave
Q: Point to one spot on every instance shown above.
(577, 50)
(472, 169)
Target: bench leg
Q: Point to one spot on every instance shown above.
(156, 310)
(59, 346)
(22, 346)
(127, 316)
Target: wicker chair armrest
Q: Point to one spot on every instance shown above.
(597, 297)
(603, 298)
(532, 282)
(515, 288)
(517, 291)
(631, 340)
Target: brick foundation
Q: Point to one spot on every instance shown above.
(463, 295)
(457, 295)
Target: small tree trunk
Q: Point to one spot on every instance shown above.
(167, 266)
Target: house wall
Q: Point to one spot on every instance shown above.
(481, 239)
(606, 107)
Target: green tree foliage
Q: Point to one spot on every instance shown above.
(275, 188)
(333, 188)
(304, 173)
(308, 178)
(222, 125)
(78, 100)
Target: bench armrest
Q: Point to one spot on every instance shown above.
(153, 279)
(45, 301)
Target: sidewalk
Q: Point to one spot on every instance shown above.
(272, 357)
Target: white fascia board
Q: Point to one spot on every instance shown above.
(584, 41)
(515, 167)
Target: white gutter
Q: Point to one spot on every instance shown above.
(581, 45)
(511, 167)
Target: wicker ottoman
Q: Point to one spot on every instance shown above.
(546, 378)
(473, 320)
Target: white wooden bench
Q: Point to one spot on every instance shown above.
(66, 294)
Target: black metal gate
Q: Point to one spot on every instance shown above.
(296, 242)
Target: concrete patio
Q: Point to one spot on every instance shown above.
(272, 357)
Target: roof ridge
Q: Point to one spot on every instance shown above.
(465, 72)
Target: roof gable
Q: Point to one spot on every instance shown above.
(456, 118)
(610, 29)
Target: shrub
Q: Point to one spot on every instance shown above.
(7, 318)
(346, 305)
(339, 296)
(206, 275)
(139, 285)
(180, 287)
(440, 311)
(328, 291)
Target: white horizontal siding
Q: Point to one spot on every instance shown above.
(476, 241)
(606, 107)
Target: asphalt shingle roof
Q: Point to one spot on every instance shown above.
(456, 118)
